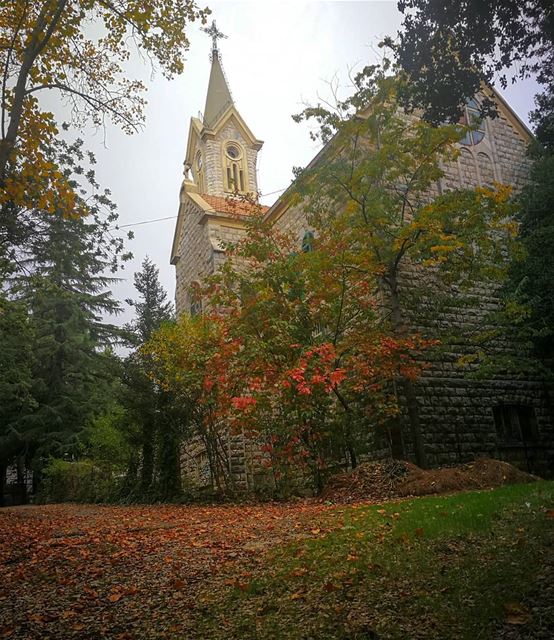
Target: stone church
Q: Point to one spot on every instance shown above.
(510, 419)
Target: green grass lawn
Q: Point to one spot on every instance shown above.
(435, 567)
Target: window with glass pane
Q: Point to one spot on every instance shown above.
(471, 118)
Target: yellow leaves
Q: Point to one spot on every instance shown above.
(516, 613)
(62, 54)
(351, 207)
(499, 193)
(445, 248)
(512, 228)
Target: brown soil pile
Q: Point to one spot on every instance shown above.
(388, 479)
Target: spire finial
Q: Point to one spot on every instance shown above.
(215, 34)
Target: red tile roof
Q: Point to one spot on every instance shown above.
(232, 206)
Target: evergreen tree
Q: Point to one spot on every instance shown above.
(532, 277)
(66, 299)
(16, 401)
(152, 308)
(145, 400)
(62, 278)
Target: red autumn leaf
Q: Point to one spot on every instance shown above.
(178, 584)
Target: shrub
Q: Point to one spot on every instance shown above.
(82, 481)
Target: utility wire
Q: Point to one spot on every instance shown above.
(136, 224)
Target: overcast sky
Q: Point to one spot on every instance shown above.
(278, 56)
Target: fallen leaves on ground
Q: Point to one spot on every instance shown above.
(386, 479)
(83, 571)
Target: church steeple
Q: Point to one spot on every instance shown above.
(219, 96)
(220, 167)
(222, 151)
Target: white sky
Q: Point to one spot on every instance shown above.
(278, 56)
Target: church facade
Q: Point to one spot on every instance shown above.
(507, 418)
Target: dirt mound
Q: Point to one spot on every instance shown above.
(368, 481)
(388, 479)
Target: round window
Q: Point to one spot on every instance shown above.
(233, 151)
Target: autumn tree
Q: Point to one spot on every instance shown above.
(296, 315)
(373, 195)
(79, 51)
(449, 48)
(193, 361)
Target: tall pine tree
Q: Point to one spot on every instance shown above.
(144, 400)
(62, 277)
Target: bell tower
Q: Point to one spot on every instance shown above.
(222, 151)
(220, 167)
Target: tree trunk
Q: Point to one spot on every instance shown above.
(147, 468)
(170, 464)
(3, 470)
(406, 385)
(40, 37)
(415, 425)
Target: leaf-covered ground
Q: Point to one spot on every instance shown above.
(474, 565)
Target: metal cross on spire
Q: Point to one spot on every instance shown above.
(214, 32)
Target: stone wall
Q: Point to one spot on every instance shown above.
(457, 412)
(196, 254)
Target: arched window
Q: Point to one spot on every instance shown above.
(308, 242)
(235, 175)
(472, 118)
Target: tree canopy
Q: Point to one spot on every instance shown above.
(78, 49)
(448, 48)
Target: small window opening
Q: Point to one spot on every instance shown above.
(195, 300)
(515, 423)
(308, 242)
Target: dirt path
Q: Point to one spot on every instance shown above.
(74, 571)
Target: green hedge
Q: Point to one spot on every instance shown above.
(82, 481)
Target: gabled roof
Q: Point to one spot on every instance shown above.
(280, 206)
(517, 123)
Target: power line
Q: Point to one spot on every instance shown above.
(137, 224)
